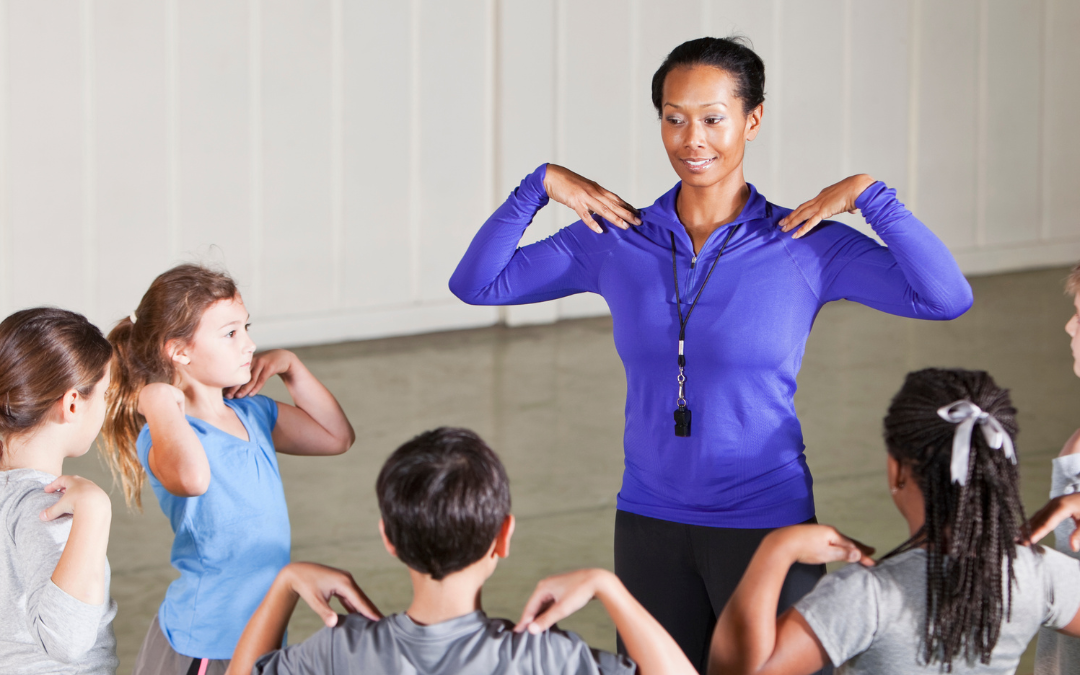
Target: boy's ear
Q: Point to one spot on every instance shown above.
(386, 540)
(502, 541)
(177, 352)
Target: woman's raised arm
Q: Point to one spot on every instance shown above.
(494, 271)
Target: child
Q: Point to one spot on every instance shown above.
(1056, 653)
(54, 577)
(959, 595)
(445, 504)
(185, 413)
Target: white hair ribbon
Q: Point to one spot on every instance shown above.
(132, 317)
(965, 414)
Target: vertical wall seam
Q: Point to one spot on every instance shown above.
(172, 115)
(846, 89)
(6, 240)
(337, 150)
(494, 57)
(982, 111)
(914, 85)
(777, 88)
(634, 45)
(415, 193)
(255, 142)
(89, 207)
(1045, 32)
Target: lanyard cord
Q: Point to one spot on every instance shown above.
(678, 300)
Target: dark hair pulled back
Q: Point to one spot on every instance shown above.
(45, 352)
(443, 497)
(731, 54)
(971, 530)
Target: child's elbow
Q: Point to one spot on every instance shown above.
(343, 444)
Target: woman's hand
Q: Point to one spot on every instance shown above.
(263, 366)
(838, 198)
(820, 544)
(317, 584)
(586, 197)
(158, 395)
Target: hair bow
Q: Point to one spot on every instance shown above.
(965, 414)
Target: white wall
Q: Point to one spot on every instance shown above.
(337, 155)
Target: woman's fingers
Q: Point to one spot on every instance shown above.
(354, 600)
(810, 224)
(589, 221)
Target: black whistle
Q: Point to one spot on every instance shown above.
(682, 421)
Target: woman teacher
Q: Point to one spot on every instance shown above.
(712, 291)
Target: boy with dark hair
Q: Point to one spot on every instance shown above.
(445, 503)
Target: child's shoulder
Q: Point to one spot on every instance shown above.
(261, 407)
(23, 498)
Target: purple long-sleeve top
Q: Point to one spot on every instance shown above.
(743, 466)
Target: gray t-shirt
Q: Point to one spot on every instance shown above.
(871, 620)
(467, 645)
(1058, 654)
(42, 628)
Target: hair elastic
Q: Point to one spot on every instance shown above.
(132, 317)
(965, 414)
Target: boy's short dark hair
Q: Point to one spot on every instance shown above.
(443, 497)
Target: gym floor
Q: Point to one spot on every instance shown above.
(549, 400)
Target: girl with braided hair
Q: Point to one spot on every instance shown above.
(960, 595)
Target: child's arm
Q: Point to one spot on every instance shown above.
(64, 569)
(749, 638)
(316, 425)
(176, 458)
(316, 584)
(1057, 511)
(647, 643)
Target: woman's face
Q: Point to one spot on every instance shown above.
(703, 125)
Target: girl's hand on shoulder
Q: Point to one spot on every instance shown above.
(317, 584)
(78, 495)
(586, 197)
(158, 396)
(820, 544)
(263, 366)
(838, 198)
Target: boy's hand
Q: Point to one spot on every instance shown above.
(157, 395)
(317, 584)
(263, 367)
(557, 597)
(1053, 514)
(78, 495)
(820, 544)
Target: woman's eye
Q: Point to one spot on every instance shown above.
(674, 120)
(714, 120)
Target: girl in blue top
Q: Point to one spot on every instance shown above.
(712, 300)
(185, 413)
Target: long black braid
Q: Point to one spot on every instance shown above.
(970, 531)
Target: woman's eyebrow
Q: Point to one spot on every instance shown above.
(703, 105)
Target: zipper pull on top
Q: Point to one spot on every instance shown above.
(692, 261)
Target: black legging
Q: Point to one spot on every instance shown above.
(684, 574)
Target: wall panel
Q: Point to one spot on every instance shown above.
(130, 123)
(50, 236)
(1060, 140)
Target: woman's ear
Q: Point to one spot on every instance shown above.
(502, 541)
(753, 122)
(177, 352)
(390, 548)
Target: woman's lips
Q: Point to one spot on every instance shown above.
(699, 165)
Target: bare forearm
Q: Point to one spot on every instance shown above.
(80, 572)
(266, 629)
(647, 643)
(312, 397)
(745, 635)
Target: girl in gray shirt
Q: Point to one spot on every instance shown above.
(54, 577)
(959, 595)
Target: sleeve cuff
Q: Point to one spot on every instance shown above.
(532, 188)
(869, 195)
(1066, 475)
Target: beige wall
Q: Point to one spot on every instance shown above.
(337, 155)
